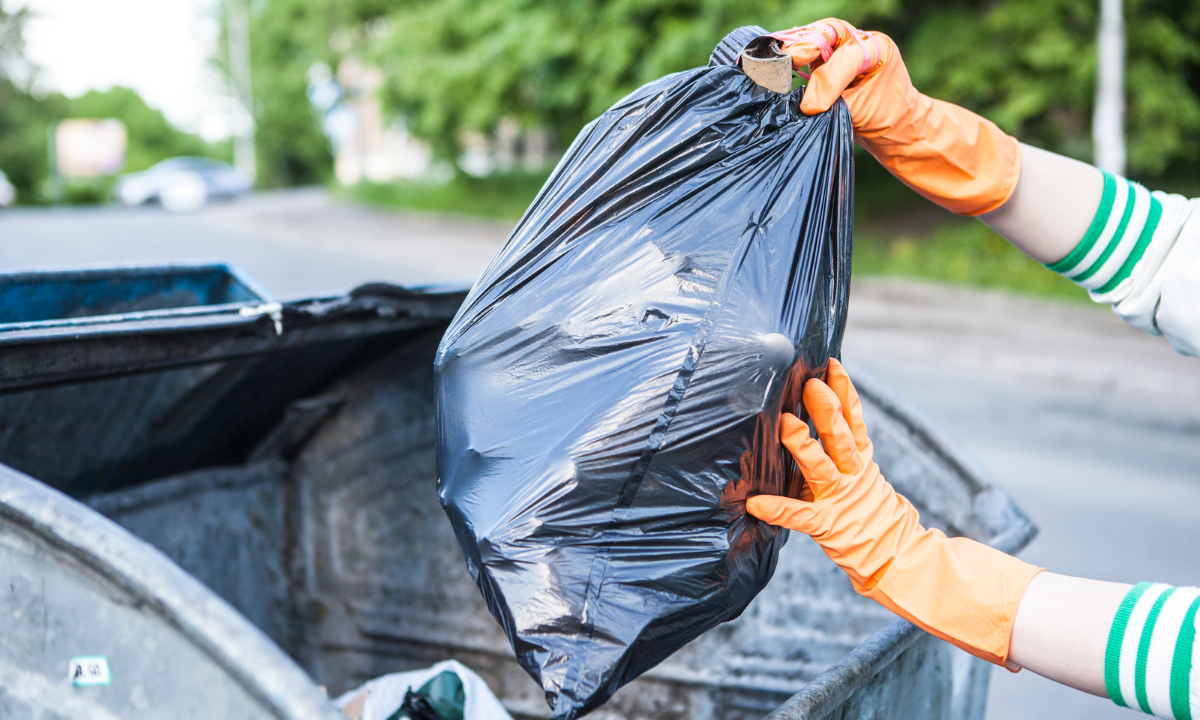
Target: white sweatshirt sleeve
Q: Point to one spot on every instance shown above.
(1142, 256)
(1152, 660)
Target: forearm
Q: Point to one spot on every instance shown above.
(1134, 644)
(1061, 630)
(1136, 250)
(1051, 207)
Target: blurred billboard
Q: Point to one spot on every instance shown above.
(89, 148)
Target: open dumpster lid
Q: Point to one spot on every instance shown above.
(61, 326)
(162, 388)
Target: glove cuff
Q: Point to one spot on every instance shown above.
(950, 155)
(961, 161)
(959, 590)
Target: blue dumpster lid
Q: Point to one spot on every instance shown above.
(65, 297)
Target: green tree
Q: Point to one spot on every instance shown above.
(1030, 66)
(463, 65)
(287, 37)
(24, 124)
(24, 119)
(455, 65)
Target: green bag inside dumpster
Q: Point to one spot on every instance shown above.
(442, 698)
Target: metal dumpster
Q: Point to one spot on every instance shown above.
(282, 454)
(79, 587)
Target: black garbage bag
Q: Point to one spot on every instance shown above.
(609, 393)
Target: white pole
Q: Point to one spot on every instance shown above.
(1108, 123)
(238, 30)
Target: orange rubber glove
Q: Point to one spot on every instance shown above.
(952, 156)
(960, 590)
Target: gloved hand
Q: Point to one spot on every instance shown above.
(957, 589)
(952, 156)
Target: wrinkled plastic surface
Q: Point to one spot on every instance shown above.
(608, 394)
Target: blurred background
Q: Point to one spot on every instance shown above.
(320, 144)
(463, 106)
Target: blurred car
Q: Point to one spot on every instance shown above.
(8, 193)
(181, 184)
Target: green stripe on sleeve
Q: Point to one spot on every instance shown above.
(1181, 665)
(1112, 655)
(1139, 673)
(1138, 250)
(1130, 201)
(1097, 228)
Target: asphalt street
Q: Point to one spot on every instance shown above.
(296, 244)
(1093, 427)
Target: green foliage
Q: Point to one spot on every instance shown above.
(23, 118)
(24, 126)
(1164, 114)
(504, 196)
(455, 65)
(463, 65)
(286, 38)
(960, 251)
(1030, 66)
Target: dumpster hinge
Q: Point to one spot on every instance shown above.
(273, 309)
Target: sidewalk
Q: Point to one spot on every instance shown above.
(1080, 346)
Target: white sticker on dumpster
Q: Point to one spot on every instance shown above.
(90, 670)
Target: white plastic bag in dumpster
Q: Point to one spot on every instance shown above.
(385, 694)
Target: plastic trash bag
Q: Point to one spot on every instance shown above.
(386, 696)
(608, 395)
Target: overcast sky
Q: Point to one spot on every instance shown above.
(158, 47)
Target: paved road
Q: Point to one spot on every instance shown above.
(1093, 427)
(297, 244)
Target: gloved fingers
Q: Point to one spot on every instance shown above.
(839, 381)
(826, 412)
(816, 466)
(830, 80)
(782, 512)
(880, 49)
(837, 53)
(810, 44)
(804, 52)
(806, 492)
